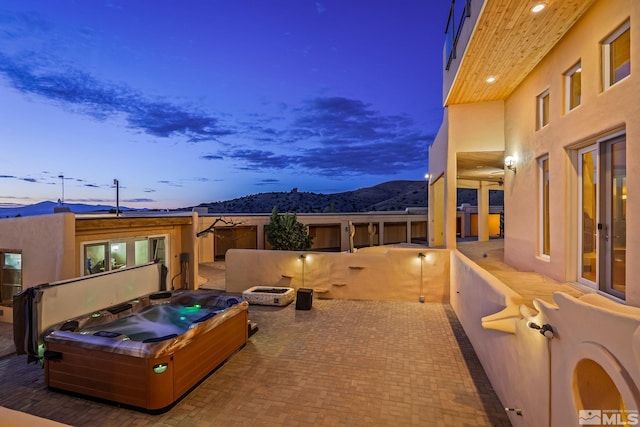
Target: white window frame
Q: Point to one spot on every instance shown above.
(568, 79)
(544, 207)
(606, 56)
(540, 110)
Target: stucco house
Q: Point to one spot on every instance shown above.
(540, 100)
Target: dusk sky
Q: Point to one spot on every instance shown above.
(186, 102)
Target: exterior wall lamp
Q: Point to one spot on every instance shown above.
(510, 163)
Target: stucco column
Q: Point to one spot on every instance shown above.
(483, 212)
(381, 233)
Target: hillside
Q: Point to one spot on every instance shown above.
(388, 196)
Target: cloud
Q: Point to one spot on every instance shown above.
(254, 159)
(340, 136)
(170, 183)
(212, 157)
(267, 181)
(139, 200)
(82, 93)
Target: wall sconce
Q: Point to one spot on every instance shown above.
(545, 330)
(510, 163)
(421, 257)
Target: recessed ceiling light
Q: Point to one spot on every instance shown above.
(491, 79)
(538, 7)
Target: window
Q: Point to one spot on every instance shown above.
(116, 254)
(573, 87)
(543, 109)
(544, 244)
(616, 56)
(10, 275)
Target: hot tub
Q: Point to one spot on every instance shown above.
(148, 352)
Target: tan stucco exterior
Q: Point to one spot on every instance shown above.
(590, 360)
(379, 273)
(601, 112)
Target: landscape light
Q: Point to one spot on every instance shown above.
(421, 257)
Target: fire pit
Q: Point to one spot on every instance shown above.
(269, 295)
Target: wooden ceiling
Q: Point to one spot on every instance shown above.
(480, 166)
(508, 41)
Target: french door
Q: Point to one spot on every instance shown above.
(602, 196)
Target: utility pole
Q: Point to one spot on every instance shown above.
(117, 184)
(62, 180)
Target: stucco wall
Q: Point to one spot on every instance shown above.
(600, 112)
(383, 273)
(45, 241)
(537, 375)
(477, 127)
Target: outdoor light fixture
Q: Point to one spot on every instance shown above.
(538, 7)
(546, 330)
(421, 257)
(510, 163)
(302, 258)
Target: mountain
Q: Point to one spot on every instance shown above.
(388, 196)
(47, 207)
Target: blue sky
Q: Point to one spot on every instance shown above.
(200, 101)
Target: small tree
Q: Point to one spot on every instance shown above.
(285, 233)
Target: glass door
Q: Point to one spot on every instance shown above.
(612, 226)
(588, 202)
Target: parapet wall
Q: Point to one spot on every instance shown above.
(390, 274)
(590, 364)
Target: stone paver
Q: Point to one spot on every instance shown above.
(342, 363)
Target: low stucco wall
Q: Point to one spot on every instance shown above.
(47, 247)
(391, 274)
(538, 375)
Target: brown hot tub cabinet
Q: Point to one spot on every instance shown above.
(151, 374)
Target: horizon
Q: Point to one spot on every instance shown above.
(215, 100)
(107, 204)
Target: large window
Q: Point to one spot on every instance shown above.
(573, 87)
(543, 109)
(545, 234)
(10, 275)
(616, 55)
(115, 254)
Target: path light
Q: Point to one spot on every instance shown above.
(302, 259)
(421, 257)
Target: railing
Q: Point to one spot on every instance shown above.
(457, 13)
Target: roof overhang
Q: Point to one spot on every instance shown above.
(508, 41)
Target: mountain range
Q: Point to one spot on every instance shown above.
(388, 196)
